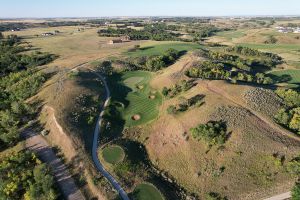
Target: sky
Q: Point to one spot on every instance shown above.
(111, 8)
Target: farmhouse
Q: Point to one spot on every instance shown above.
(122, 39)
(115, 41)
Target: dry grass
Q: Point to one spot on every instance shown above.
(72, 46)
(250, 169)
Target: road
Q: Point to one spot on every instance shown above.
(96, 160)
(40, 146)
(282, 196)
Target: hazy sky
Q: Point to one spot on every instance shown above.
(99, 8)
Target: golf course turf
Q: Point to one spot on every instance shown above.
(113, 154)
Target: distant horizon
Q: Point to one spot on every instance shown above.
(138, 8)
(153, 16)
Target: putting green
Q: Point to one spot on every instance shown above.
(113, 154)
(147, 191)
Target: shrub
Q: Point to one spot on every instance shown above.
(213, 132)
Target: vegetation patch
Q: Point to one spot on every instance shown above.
(23, 176)
(213, 132)
(263, 100)
(182, 86)
(185, 104)
(242, 64)
(289, 115)
(113, 154)
(146, 191)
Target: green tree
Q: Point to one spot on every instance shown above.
(296, 191)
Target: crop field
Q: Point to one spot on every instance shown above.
(139, 102)
(155, 48)
(146, 191)
(113, 154)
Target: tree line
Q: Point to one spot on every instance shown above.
(150, 32)
(235, 67)
(289, 116)
(150, 63)
(19, 80)
(23, 176)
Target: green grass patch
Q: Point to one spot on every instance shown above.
(289, 47)
(158, 49)
(288, 76)
(231, 34)
(133, 98)
(113, 154)
(146, 191)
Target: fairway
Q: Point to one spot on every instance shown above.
(231, 34)
(150, 49)
(113, 154)
(146, 191)
(293, 74)
(140, 102)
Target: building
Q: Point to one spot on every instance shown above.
(115, 41)
(125, 38)
(47, 34)
(122, 39)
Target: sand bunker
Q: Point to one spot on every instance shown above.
(136, 117)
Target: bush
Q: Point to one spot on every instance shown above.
(296, 191)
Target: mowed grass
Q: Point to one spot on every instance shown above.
(289, 47)
(113, 154)
(294, 75)
(231, 34)
(146, 191)
(133, 93)
(154, 48)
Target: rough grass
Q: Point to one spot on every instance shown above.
(113, 154)
(132, 91)
(146, 191)
(154, 48)
(263, 100)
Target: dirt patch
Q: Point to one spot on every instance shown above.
(140, 87)
(136, 117)
(57, 135)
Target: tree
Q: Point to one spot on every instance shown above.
(1, 36)
(165, 91)
(296, 191)
(283, 117)
(295, 121)
(106, 68)
(172, 109)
